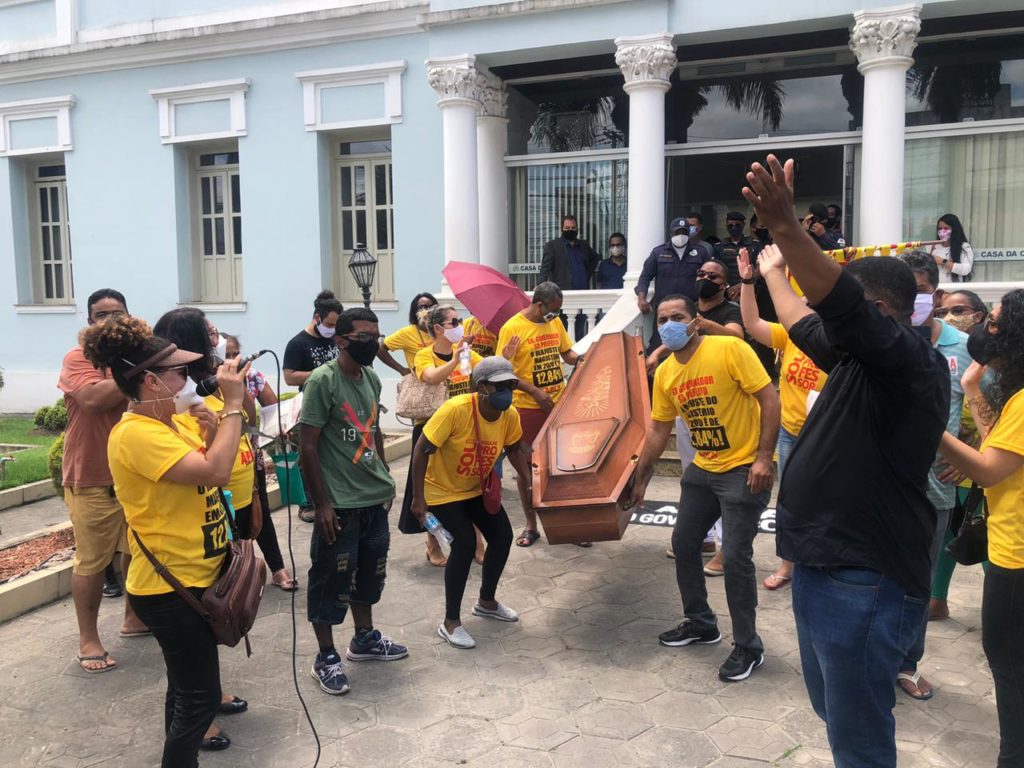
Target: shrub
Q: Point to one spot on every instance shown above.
(55, 463)
(40, 418)
(57, 417)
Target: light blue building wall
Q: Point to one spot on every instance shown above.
(128, 187)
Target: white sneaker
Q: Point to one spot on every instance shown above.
(458, 638)
(501, 613)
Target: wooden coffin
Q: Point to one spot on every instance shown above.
(586, 453)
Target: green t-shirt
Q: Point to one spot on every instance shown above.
(346, 410)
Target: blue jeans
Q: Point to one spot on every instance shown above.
(784, 447)
(352, 569)
(855, 627)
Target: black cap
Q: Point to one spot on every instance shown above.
(818, 210)
(678, 223)
(735, 216)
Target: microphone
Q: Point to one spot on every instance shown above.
(209, 386)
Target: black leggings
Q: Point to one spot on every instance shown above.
(459, 517)
(1002, 637)
(267, 538)
(193, 673)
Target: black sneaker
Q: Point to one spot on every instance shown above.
(111, 584)
(330, 673)
(740, 664)
(373, 646)
(685, 634)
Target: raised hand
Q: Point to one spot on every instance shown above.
(770, 258)
(770, 192)
(743, 264)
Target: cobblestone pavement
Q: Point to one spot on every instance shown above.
(579, 682)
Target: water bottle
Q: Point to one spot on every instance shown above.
(465, 361)
(439, 532)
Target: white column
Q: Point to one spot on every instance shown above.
(884, 41)
(491, 148)
(646, 64)
(457, 83)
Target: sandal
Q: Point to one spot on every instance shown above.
(527, 538)
(108, 663)
(283, 580)
(775, 581)
(914, 679)
(307, 514)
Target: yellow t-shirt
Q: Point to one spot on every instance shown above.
(539, 357)
(458, 382)
(713, 391)
(182, 525)
(484, 342)
(1006, 499)
(969, 434)
(243, 473)
(410, 339)
(798, 376)
(453, 471)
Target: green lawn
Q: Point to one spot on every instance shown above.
(29, 465)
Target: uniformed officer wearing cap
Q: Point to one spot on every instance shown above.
(728, 249)
(673, 267)
(815, 224)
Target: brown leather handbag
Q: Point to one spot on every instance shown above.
(231, 603)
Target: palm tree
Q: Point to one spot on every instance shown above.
(948, 89)
(576, 125)
(764, 96)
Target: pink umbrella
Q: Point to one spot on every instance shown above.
(491, 296)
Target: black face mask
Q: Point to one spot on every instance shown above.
(569, 234)
(981, 345)
(363, 352)
(707, 289)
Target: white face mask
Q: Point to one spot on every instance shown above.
(680, 240)
(617, 250)
(454, 335)
(221, 350)
(923, 306)
(323, 330)
(185, 397)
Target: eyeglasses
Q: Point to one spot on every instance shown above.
(452, 323)
(362, 338)
(709, 275)
(956, 311)
(425, 306)
(101, 316)
(182, 369)
(504, 386)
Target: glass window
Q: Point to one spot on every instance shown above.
(365, 147)
(363, 215)
(967, 80)
(595, 192)
(569, 116)
(218, 158)
(771, 105)
(980, 179)
(51, 237)
(217, 222)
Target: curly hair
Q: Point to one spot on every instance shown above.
(1008, 347)
(120, 344)
(325, 303)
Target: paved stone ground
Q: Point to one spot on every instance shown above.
(579, 682)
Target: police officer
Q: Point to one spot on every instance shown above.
(729, 248)
(673, 266)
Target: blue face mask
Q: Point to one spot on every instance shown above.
(694, 229)
(500, 400)
(674, 334)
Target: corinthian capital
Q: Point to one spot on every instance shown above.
(493, 96)
(886, 36)
(645, 61)
(455, 78)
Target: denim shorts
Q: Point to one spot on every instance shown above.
(352, 569)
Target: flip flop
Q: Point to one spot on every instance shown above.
(527, 538)
(136, 633)
(913, 678)
(774, 581)
(108, 663)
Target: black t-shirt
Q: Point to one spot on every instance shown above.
(306, 353)
(724, 313)
(854, 492)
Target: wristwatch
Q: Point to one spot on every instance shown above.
(748, 280)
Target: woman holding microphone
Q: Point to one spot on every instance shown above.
(167, 476)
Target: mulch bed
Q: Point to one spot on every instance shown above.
(24, 558)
